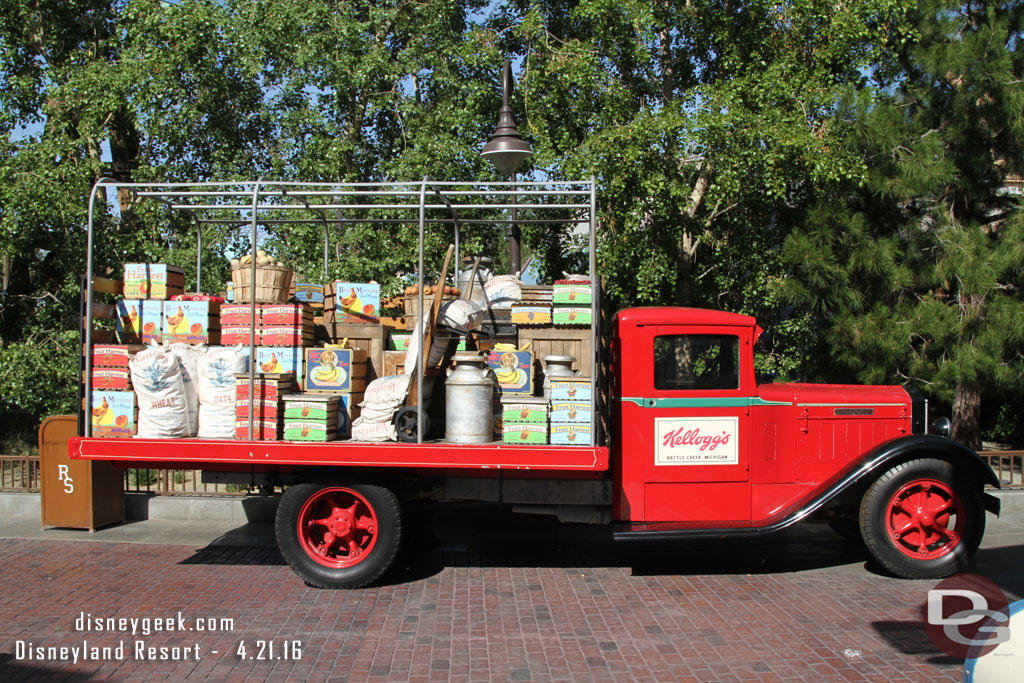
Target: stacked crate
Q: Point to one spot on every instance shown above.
(237, 323)
(265, 399)
(311, 417)
(286, 325)
(534, 307)
(313, 296)
(571, 300)
(113, 411)
(361, 331)
(572, 407)
(524, 419)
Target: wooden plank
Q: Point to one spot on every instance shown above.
(560, 341)
(107, 285)
(557, 333)
(103, 311)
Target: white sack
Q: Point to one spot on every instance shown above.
(216, 382)
(503, 291)
(364, 430)
(387, 389)
(188, 356)
(461, 315)
(160, 392)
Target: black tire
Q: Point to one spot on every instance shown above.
(903, 524)
(366, 518)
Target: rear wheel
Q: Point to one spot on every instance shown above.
(342, 536)
(922, 519)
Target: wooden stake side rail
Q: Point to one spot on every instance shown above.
(204, 453)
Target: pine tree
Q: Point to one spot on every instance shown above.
(916, 268)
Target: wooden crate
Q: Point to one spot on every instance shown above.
(369, 338)
(559, 341)
(394, 363)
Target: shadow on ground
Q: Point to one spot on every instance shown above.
(474, 535)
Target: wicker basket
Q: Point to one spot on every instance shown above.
(272, 284)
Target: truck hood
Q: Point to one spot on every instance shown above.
(834, 394)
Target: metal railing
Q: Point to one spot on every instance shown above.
(19, 473)
(176, 482)
(1008, 466)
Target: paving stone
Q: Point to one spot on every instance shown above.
(482, 616)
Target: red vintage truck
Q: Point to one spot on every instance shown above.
(686, 443)
(696, 448)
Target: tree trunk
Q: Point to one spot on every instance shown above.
(967, 415)
(686, 247)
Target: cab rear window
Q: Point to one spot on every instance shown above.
(688, 362)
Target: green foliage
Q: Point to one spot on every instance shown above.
(916, 269)
(833, 169)
(39, 375)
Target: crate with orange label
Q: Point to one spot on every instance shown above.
(192, 322)
(153, 281)
(139, 321)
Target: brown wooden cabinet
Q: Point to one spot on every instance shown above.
(80, 494)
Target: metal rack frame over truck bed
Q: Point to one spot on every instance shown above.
(421, 204)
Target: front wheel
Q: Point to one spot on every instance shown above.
(343, 536)
(922, 519)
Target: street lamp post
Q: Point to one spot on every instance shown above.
(506, 149)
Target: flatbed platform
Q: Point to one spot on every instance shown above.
(436, 454)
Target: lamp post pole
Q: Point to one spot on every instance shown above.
(506, 149)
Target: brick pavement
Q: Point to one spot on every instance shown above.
(524, 604)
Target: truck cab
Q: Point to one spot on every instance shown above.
(700, 448)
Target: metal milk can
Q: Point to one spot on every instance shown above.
(469, 391)
(555, 367)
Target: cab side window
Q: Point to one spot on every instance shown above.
(696, 362)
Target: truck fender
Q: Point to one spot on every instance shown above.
(903, 448)
(930, 445)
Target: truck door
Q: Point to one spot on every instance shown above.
(688, 419)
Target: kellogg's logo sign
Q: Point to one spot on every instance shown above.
(708, 441)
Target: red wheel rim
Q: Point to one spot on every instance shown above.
(925, 519)
(337, 527)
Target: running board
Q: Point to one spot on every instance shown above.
(678, 531)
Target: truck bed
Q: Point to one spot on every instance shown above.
(208, 453)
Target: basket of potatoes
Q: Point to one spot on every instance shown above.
(273, 279)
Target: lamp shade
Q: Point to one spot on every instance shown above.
(506, 147)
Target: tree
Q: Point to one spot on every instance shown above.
(917, 269)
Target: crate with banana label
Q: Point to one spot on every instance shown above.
(513, 369)
(335, 370)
